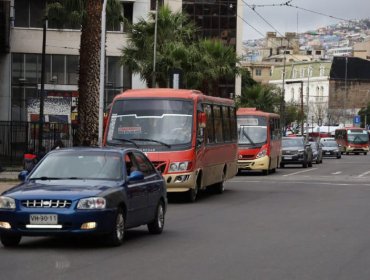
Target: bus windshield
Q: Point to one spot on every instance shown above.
(360, 137)
(154, 122)
(252, 130)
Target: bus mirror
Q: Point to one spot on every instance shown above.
(202, 119)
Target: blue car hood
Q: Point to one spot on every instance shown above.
(67, 189)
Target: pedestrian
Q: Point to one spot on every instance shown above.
(29, 160)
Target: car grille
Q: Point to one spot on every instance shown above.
(160, 165)
(289, 152)
(246, 157)
(46, 203)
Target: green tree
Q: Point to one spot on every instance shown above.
(365, 115)
(205, 64)
(260, 96)
(293, 116)
(86, 14)
(172, 28)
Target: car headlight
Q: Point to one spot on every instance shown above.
(7, 202)
(261, 153)
(301, 152)
(92, 203)
(179, 166)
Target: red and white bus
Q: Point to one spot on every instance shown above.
(259, 140)
(190, 137)
(352, 140)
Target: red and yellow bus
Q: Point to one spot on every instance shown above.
(190, 137)
(352, 140)
(259, 140)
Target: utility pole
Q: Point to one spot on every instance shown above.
(42, 88)
(345, 92)
(282, 105)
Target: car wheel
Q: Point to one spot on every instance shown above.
(310, 163)
(116, 237)
(282, 165)
(156, 227)
(365, 154)
(10, 240)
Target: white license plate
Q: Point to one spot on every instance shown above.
(45, 219)
(327, 153)
(287, 157)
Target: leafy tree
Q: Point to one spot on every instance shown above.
(293, 117)
(86, 14)
(260, 96)
(205, 64)
(172, 28)
(365, 115)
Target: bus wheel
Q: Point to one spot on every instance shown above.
(193, 192)
(219, 188)
(365, 153)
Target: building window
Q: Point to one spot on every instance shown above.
(153, 4)
(258, 72)
(28, 13)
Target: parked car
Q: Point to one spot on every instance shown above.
(316, 152)
(85, 191)
(330, 149)
(296, 150)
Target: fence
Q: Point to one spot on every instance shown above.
(18, 137)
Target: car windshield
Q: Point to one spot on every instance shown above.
(358, 138)
(252, 130)
(77, 165)
(292, 142)
(143, 122)
(329, 144)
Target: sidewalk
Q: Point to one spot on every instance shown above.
(8, 179)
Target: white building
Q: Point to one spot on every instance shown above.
(305, 84)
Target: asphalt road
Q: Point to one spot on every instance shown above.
(298, 223)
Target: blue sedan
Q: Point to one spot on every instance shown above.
(94, 191)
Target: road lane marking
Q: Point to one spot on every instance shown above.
(363, 174)
(307, 170)
(336, 173)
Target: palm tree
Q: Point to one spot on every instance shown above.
(262, 97)
(205, 64)
(138, 55)
(87, 14)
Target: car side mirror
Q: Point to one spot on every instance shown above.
(136, 176)
(22, 175)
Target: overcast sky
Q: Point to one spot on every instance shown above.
(289, 19)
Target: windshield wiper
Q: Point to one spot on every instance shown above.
(44, 178)
(152, 140)
(125, 140)
(246, 135)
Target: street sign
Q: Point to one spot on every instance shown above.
(357, 119)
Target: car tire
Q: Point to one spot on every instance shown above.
(117, 235)
(156, 227)
(304, 164)
(282, 165)
(365, 154)
(310, 163)
(10, 240)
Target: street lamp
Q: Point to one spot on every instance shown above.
(42, 88)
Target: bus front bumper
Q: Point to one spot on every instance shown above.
(352, 149)
(180, 182)
(255, 164)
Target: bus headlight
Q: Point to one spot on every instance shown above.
(179, 166)
(261, 153)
